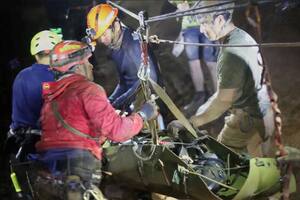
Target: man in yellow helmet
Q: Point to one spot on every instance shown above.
(27, 95)
(27, 103)
(105, 27)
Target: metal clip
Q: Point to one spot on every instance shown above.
(154, 39)
(144, 72)
(142, 16)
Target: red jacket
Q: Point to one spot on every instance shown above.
(85, 107)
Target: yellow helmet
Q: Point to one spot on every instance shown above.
(99, 19)
(43, 41)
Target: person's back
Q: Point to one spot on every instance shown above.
(26, 105)
(27, 98)
(27, 95)
(84, 106)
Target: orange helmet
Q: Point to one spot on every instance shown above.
(67, 54)
(99, 19)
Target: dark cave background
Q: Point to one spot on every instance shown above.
(21, 19)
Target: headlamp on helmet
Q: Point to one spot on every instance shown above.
(68, 54)
(99, 19)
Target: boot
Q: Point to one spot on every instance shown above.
(198, 99)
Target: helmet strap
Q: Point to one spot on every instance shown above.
(85, 70)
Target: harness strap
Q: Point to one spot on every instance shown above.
(73, 130)
(173, 108)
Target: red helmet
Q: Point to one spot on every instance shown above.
(67, 54)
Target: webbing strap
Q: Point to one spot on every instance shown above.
(58, 116)
(172, 107)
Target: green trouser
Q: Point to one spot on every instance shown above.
(239, 128)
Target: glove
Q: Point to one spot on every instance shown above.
(148, 111)
(174, 127)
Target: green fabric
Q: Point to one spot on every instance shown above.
(232, 71)
(187, 21)
(263, 180)
(238, 68)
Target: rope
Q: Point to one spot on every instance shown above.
(207, 178)
(155, 39)
(285, 172)
(197, 11)
(128, 12)
(194, 8)
(190, 12)
(146, 158)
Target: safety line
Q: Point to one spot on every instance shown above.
(135, 16)
(155, 39)
(197, 11)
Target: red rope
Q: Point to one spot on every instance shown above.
(144, 47)
(287, 170)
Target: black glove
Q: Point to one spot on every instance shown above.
(174, 127)
(148, 111)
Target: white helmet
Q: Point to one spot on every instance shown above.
(43, 41)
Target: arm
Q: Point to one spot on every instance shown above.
(105, 120)
(126, 97)
(118, 91)
(231, 78)
(130, 71)
(214, 107)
